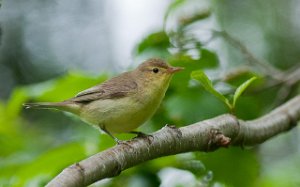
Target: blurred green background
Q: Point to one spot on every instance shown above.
(50, 50)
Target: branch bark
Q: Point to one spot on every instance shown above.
(206, 135)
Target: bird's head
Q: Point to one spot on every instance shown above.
(156, 72)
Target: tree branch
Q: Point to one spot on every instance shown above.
(207, 135)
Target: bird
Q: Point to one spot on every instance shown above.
(122, 103)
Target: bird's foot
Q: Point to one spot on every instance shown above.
(139, 134)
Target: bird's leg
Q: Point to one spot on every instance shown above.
(113, 137)
(138, 133)
(148, 137)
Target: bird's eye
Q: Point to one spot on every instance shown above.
(155, 70)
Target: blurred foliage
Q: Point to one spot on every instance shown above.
(159, 43)
(37, 145)
(25, 161)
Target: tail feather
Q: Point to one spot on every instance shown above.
(65, 106)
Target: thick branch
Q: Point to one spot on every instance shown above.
(207, 135)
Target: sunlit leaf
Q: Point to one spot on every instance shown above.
(241, 89)
(207, 84)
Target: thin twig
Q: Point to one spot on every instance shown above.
(251, 59)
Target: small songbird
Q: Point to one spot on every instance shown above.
(123, 103)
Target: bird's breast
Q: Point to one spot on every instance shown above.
(122, 114)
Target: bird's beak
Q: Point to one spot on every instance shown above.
(174, 69)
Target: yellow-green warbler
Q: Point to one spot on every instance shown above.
(122, 103)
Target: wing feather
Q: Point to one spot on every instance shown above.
(117, 87)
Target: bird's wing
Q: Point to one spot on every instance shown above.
(116, 87)
(95, 89)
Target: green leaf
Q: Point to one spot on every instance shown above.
(207, 84)
(158, 40)
(241, 89)
(208, 58)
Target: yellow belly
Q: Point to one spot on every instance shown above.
(120, 115)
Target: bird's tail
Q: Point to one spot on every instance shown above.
(65, 106)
